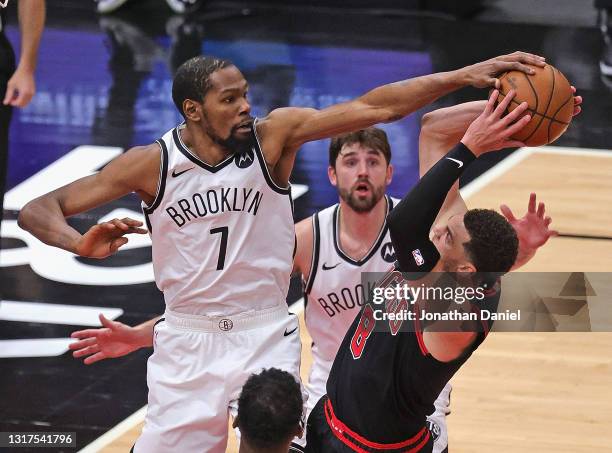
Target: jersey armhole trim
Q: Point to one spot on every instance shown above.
(314, 263)
(264, 166)
(161, 182)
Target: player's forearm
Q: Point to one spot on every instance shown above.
(143, 333)
(44, 219)
(442, 129)
(402, 98)
(31, 24)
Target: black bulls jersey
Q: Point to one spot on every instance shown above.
(383, 382)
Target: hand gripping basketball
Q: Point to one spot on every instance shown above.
(492, 130)
(551, 103)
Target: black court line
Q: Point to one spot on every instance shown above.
(585, 236)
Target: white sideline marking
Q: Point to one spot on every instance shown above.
(521, 154)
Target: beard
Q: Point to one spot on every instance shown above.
(362, 204)
(235, 143)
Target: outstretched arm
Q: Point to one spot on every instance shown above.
(284, 130)
(113, 339)
(440, 131)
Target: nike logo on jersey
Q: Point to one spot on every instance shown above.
(175, 173)
(286, 334)
(458, 162)
(325, 267)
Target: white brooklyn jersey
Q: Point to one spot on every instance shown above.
(334, 293)
(223, 236)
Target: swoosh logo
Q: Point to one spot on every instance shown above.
(286, 334)
(325, 267)
(458, 162)
(175, 173)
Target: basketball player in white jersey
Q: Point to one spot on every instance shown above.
(334, 247)
(215, 192)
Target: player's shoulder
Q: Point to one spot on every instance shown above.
(139, 161)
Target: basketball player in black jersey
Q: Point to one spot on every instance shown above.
(385, 378)
(211, 95)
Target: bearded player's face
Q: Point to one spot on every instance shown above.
(226, 109)
(361, 175)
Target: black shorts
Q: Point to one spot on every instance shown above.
(321, 439)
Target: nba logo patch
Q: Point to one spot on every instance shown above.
(418, 257)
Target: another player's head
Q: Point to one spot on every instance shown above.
(212, 92)
(481, 240)
(269, 412)
(360, 167)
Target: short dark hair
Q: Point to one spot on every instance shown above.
(269, 408)
(493, 246)
(372, 137)
(192, 79)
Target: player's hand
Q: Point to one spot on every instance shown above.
(114, 339)
(577, 102)
(105, 238)
(20, 88)
(492, 130)
(533, 228)
(482, 75)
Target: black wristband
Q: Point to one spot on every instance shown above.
(411, 220)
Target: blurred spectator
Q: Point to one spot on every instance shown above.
(17, 86)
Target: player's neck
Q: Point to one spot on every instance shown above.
(359, 230)
(201, 145)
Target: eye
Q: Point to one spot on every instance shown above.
(228, 100)
(350, 162)
(373, 162)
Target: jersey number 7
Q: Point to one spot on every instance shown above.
(223, 248)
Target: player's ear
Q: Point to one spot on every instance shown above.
(465, 269)
(389, 174)
(331, 174)
(192, 110)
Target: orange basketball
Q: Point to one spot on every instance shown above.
(550, 100)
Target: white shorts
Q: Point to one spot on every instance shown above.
(436, 422)
(197, 371)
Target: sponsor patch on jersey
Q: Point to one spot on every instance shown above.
(387, 253)
(418, 258)
(246, 159)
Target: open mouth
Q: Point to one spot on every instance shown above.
(362, 188)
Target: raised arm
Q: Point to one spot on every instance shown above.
(137, 170)
(284, 130)
(21, 87)
(440, 131)
(394, 101)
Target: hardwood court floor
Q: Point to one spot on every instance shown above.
(533, 392)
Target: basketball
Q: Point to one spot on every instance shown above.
(550, 100)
